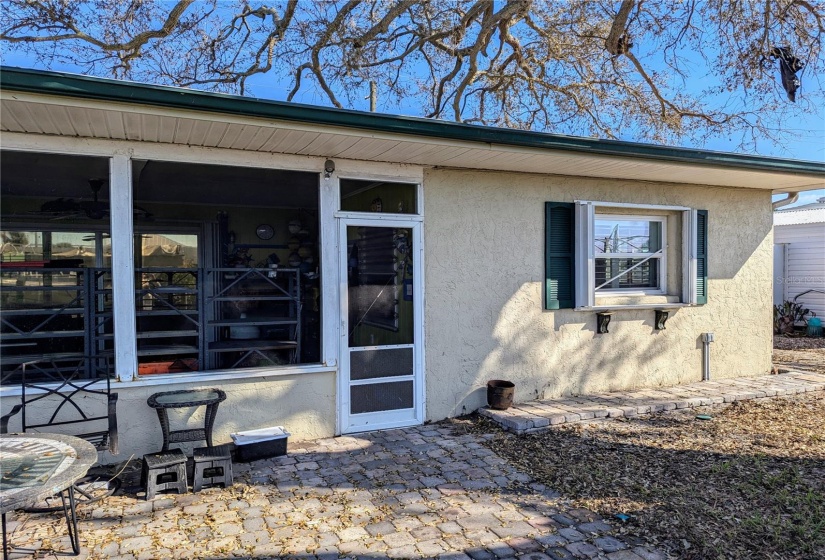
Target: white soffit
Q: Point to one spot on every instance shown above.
(61, 116)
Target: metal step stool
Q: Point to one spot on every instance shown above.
(213, 465)
(165, 470)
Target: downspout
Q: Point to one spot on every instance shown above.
(790, 199)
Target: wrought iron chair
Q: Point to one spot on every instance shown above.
(66, 392)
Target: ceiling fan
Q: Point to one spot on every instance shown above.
(105, 235)
(71, 209)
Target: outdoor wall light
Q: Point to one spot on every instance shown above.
(602, 320)
(661, 319)
(329, 168)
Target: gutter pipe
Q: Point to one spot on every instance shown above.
(790, 199)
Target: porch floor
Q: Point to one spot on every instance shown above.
(539, 415)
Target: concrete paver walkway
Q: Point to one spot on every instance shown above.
(413, 493)
(534, 416)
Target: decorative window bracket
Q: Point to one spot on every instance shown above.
(661, 319)
(602, 321)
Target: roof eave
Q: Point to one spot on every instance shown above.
(73, 85)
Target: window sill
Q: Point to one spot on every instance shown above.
(625, 294)
(226, 375)
(632, 307)
(195, 378)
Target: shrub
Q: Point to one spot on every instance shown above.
(787, 314)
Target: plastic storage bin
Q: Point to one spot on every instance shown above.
(265, 443)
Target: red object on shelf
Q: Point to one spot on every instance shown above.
(23, 264)
(178, 366)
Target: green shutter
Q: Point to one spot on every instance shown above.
(701, 257)
(559, 255)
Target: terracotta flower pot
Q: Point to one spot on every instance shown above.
(500, 394)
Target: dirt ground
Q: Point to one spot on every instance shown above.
(799, 353)
(747, 484)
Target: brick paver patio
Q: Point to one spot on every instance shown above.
(413, 493)
(534, 416)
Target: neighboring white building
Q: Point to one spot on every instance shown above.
(799, 255)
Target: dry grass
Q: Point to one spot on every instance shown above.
(796, 352)
(748, 484)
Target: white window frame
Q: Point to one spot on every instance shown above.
(585, 262)
(661, 256)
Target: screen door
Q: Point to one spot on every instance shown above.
(381, 357)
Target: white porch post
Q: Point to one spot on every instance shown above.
(123, 278)
(328, 203)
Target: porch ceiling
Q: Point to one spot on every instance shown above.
(24, 112)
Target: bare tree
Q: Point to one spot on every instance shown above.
(660, 70)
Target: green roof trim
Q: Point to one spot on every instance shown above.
(87, 87)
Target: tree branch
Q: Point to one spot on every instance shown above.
(617, 36)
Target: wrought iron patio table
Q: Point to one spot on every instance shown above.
(38, 466)
(210, 398)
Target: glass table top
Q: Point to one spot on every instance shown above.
(35, 466)
(23, 465)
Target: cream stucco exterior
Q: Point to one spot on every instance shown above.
(304, 403)
(484, 315)
(484, 236)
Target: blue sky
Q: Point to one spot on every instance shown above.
(804, 137)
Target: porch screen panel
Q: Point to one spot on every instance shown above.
(56, 304)
(379, 397)
(227, 268)
(386, 362)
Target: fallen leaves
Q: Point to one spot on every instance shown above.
(748, 484)
(799, 353)
(798, 343)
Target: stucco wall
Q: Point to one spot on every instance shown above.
(484, 235)
(484, 269)
(304, 404)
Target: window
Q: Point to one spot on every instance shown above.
(599, 254)
(629, 254)
(167, 300)
(378, 196)
(55, 300)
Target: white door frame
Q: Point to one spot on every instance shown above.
(389, 419)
